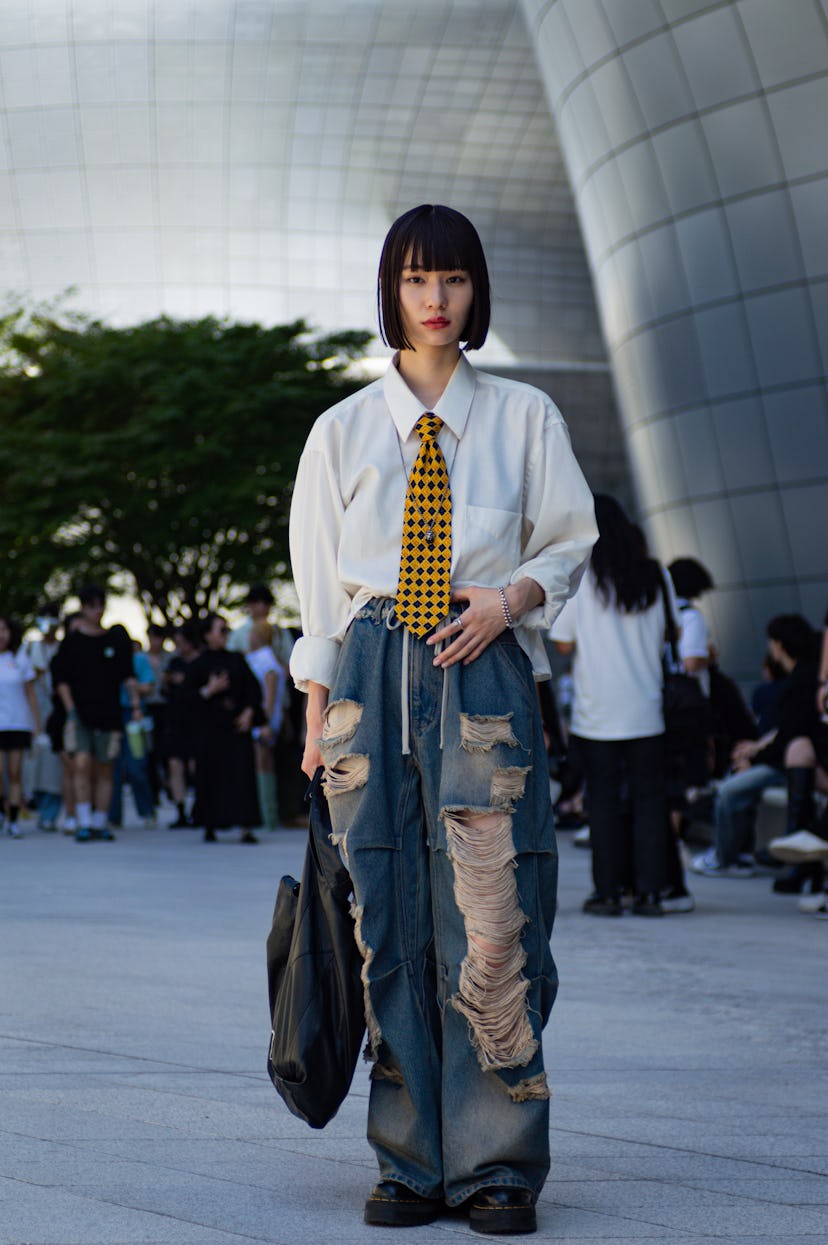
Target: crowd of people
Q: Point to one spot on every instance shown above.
(201, 718)
(646, 753)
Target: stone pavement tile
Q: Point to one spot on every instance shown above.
(692, 1209)
(35, 1215)
(782, 1190)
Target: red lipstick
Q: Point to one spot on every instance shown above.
(437, 322)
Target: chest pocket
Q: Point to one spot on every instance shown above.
(489, 540)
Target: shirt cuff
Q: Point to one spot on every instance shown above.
(540, 617)
(313, 660)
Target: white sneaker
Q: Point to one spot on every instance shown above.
(581, 837)
(13, 830)
(812, 903)
(707, 863)
(799, 848)
(678, 900)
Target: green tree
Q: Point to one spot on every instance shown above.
(161, 455)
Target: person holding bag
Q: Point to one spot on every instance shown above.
(439, 522)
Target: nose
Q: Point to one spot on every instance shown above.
(436, 293)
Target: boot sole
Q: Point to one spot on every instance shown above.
(397, 1214)
(518, 1219)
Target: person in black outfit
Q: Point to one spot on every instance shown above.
(88, 670)
(226, 699)
(181, 722)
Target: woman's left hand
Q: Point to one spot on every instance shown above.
(483, 621)
(469, 635)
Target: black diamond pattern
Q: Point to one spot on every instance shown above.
(425, 557)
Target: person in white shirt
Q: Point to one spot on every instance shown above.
(431, 740)
(272, 677)
(19, 715)
(616, 626)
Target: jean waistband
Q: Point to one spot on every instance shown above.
(383, 609)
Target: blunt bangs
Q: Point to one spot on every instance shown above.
(438, 239)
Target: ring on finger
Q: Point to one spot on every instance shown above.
(458, 622)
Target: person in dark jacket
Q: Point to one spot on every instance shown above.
(226, 701)
(771, 760)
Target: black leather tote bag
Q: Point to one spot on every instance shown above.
(313, 970)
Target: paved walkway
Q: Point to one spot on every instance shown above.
(687, 1057)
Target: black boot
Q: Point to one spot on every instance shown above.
(800, 798)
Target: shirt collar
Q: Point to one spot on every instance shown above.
(453, 407)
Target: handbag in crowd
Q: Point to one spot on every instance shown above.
(687, 714)
(314, 984)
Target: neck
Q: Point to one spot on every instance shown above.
(428, 371)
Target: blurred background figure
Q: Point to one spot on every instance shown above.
(615, 624)
(156, 704)
(226, 701)
(47, 769)
(258, 603)
(89, 670)
(272, 678)
(132, 763)
(181, 724)
(19, 716)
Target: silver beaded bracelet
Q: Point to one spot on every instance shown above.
(507, 613)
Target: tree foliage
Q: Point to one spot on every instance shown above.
(161, 454)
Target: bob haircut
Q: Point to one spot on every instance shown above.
(438, 239)
(796, 635)
(690, 578)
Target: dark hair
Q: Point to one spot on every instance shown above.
(690, 578)
(92, 594)
(438, 239)
(795, 634)
(15, 633)
(190, 631)
(155, 629)
(260, 593)
(624, 574)
(205, 625)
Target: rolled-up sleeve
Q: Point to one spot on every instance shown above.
(315, 526)
(559, 523)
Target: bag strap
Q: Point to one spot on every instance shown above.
(669, 620)
(328, 860)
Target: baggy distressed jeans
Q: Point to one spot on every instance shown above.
(452, 855)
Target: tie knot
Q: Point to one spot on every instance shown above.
(428, 426)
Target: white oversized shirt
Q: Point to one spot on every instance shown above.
(617, 669)
(520, 505)
(15, 672)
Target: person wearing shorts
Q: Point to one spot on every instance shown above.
(89, 669)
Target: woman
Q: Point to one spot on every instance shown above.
(225, 695)
(616, 626)
(19, 712)
(271, 676)
(439, 522)
(181, 727)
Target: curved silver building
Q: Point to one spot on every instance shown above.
(695, 139)
(245, 157)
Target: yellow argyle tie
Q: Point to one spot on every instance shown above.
(425, 557)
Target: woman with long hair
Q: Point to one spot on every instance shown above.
(616, 627)
(439, 522)
(19, 715)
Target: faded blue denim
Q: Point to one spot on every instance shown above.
(737, 800)
(458, 1093)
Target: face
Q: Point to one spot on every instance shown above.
(93, 612)
(156, 643)
(5, 635)
(258, 610)
(434, 306)
(217, 635)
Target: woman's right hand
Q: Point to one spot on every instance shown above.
(315, 718)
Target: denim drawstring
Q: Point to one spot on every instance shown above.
(392, 622)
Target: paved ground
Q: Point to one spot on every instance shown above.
(687, 1057)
